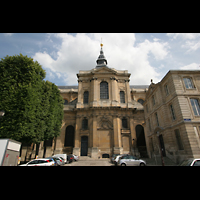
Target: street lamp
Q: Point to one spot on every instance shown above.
(162, 160)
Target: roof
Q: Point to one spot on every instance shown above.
(131, 86)
(139, 86)
(68, 87)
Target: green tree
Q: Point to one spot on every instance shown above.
(33, 107)
(54, 110)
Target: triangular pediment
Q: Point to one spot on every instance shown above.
(104, 70)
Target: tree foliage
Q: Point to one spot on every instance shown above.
(33, 107)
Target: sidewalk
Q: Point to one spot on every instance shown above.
(157, 161)
(87, 161)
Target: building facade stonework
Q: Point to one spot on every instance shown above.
(105, 115)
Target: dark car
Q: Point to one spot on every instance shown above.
(70, 158)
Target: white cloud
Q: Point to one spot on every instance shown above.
(192, 66)
(8, 34)
(80, 52)
(191, 45)
(185, 36)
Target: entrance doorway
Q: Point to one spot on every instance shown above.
(162, 145)
(84, 145)
(141, 143)
(69, 140)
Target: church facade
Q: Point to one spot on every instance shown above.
(105, 115)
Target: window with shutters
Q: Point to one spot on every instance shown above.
(156, 115)
(104, 90)
(172, 112)
(188, 83)
(195, 106)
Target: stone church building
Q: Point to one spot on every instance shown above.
(105, 115)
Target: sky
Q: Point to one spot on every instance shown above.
(145, 55)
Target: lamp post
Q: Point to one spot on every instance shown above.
(162, 160)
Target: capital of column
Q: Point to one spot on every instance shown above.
(93, 78)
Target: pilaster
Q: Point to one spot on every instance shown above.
(117, 133)
(94, 87)
(95, 138)
(79, 94)
(128, 93)
(77, 131)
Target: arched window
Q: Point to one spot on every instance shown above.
(141, 101)
(122, 97)
(85, 97)
(104, 90)
(65, 102)
(85, 124)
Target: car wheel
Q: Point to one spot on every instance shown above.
(142, 164)
(123, 164)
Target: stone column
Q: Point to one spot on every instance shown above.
(117, 135)
(76, 149)
(94, 91)
(128, 93)
(80, 102)
(95, 138)
(114, 90)
(59, 146)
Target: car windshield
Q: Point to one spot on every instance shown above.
(186, 162)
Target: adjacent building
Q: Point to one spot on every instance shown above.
(105, 115)
(172, 115)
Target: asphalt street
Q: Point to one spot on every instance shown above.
(87, 161)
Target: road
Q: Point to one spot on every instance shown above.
(87, 161)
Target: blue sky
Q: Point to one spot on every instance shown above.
(145, 55)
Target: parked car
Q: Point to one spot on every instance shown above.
(58, 160)
(190, 162)
(64, 156)
(70, 158)
(129, 160)
(113, 157)
(41, 162)
(76, 157)
(116, 158)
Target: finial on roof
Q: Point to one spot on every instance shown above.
(101, 43)
(101, 61)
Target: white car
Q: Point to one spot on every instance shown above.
(40, 162)
(60, 161)
(130, 161)
(76, 157)
(64, 156)
(117, 157)
(191, 162)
